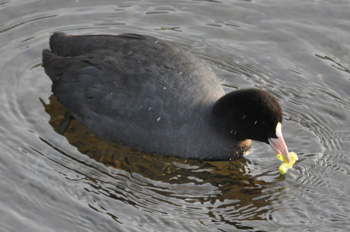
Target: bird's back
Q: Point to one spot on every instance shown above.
(134, 90)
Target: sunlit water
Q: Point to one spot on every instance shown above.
(298, 50)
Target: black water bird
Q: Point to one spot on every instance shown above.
(154, 96)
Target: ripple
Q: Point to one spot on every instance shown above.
(288, 218)
(83, 182)
(23, 21)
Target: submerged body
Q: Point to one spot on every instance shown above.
(154, 96)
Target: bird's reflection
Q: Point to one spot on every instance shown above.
(231, 178)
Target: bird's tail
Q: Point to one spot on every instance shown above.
(53, 64)
(57, 40)
(47, 56)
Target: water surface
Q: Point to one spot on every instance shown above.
(298, 50)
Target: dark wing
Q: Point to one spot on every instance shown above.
(131, 89)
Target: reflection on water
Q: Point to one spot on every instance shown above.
(216, 185)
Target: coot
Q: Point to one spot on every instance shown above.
(154, 96)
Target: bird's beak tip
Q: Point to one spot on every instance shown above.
(278, 144)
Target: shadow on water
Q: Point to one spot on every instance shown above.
(220, 186)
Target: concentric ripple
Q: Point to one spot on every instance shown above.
(80, 182)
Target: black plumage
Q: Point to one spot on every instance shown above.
(154, 96)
